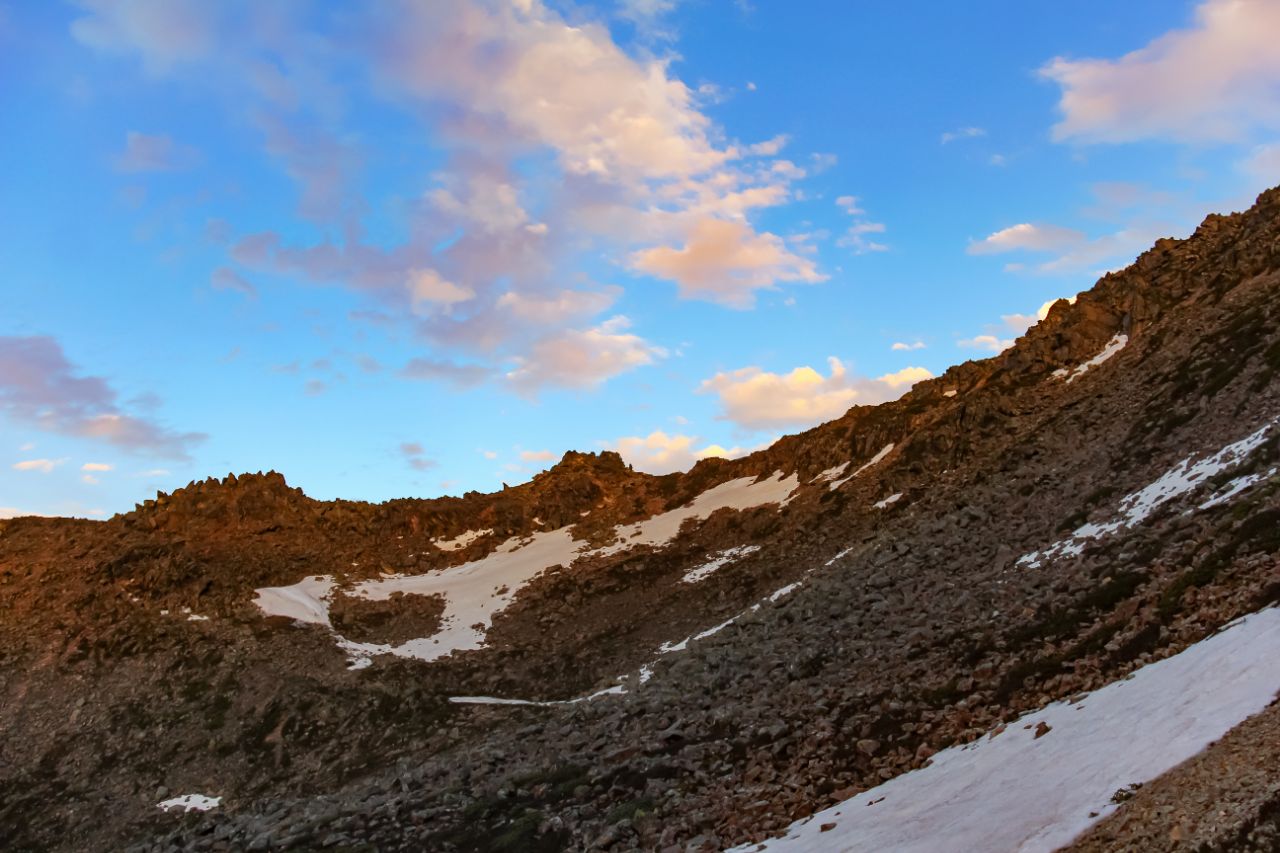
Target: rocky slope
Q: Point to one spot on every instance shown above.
(899, 580)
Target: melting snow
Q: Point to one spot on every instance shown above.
(304, 601)
(1186, 476)
(719, 561)
(476, 591)
(894, 498)
(462, 540)
(1015, 791)
(742, 493)
(1113, 346)
(832, 473)
(1236, 486)
(874, 460)
(191, 803)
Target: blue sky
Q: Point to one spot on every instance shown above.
(416, 248)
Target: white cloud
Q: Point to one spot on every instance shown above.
(89, 479)
(536, 456)
(726, 261)
(850, 205)
(428, 289)
(854, 236)
(1027, 237)
(95, 466)
(962, 133)
(756, 399)
(14, 512)
(986, 342)
(1217, 80)
(44, 466)
(903, 346)
(660, 453)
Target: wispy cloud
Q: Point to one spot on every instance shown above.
(146, 153)
(40, 387)
(962, 133)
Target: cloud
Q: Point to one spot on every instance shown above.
(986, 342)
(427, 290)
(39, 386)
(726, 262)
(1027, 237)
(536, 456)
(225, 278)
(583, 358)
(1019, 323)
(555, 147)
(145, 153)
(165, 33)
(756, 399)
(854, 236)
(414, 455)
(14, 512)
(1263, 164)
(1215, 81)
(660, 453)
(95, 466)
(458, 375)
(962, 133)
(44, 466)
(903, 346)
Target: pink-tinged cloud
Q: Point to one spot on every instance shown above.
(40, 387)
(1218, 80)
(159, 153)
(583, 358)
(726, 261)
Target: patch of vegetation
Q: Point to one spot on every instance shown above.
(629, 810)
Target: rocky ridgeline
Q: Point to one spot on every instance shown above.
(915, 623)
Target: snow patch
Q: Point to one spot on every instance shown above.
(719, 561)
(892, 499)
(874, 460)
(1019, 792)
(742, 493)
(462, 540)
(1234, 487)
(1113, 346)
(1136, 507)
(950, 393)
(191, 803)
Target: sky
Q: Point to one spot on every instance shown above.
(420, 247)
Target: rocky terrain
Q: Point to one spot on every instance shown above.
(750, 642)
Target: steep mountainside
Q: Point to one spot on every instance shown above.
(748, 643)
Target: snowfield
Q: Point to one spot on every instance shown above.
(1014, 791)
(1134, 508)
(742, 493)
(476, 591)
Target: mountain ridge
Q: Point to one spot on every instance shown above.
(909, 621)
